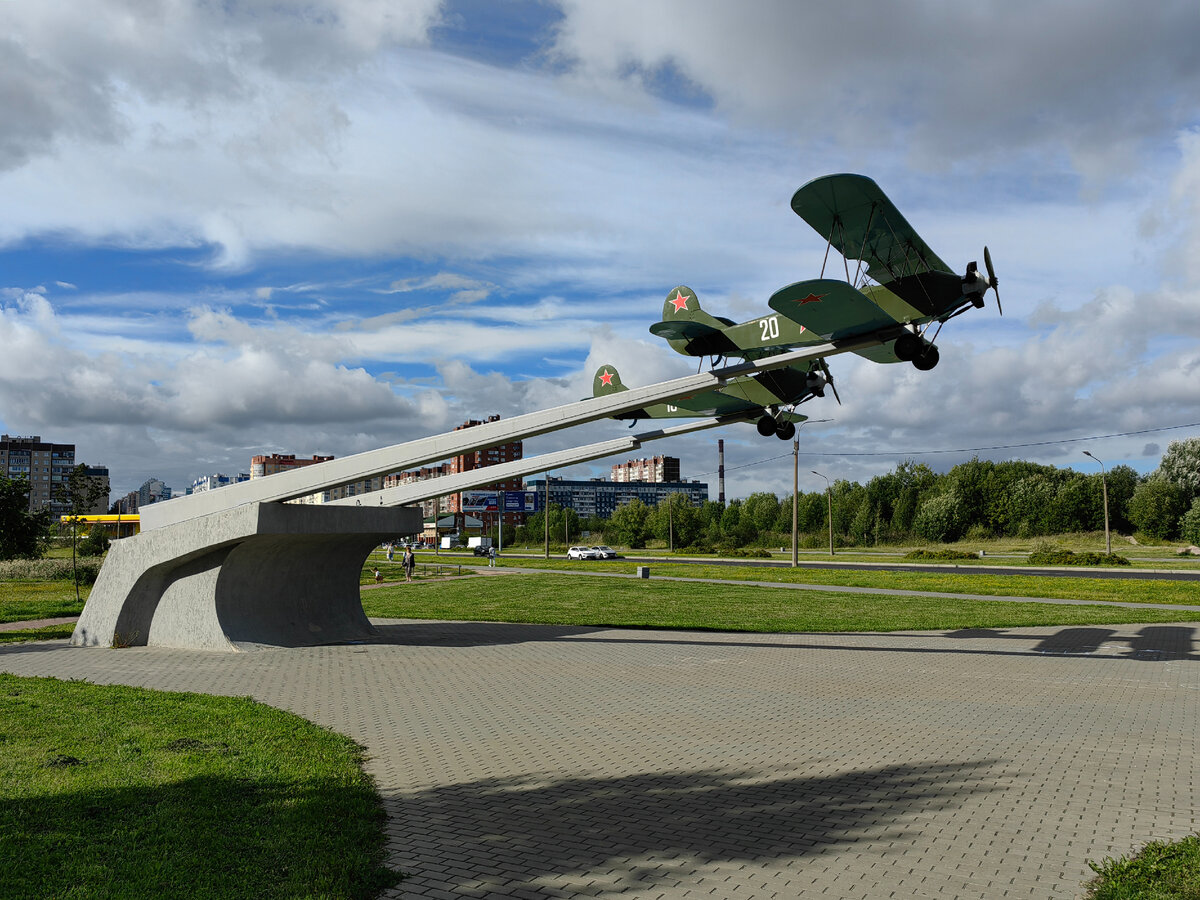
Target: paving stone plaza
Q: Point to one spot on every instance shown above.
(537, 761)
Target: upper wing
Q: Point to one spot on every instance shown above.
(856, 217)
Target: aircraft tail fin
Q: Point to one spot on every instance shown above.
(607, 380)
(688, 328)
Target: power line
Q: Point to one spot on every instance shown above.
(905, 453)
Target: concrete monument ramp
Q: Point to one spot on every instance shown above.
(259, 575)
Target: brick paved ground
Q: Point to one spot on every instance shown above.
(539, 761)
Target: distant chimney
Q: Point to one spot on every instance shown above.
(721, 471)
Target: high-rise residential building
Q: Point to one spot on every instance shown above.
(261, 466)
(44, 465)
(98, 474)
(660, 468)
(433, 506)
(217, 480)
(489, 456)
(152, 491)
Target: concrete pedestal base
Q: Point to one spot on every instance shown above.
(263, 574)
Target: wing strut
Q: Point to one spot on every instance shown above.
(863, 249)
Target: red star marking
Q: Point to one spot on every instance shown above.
(811, 298)
(679, 301)
(606, 378)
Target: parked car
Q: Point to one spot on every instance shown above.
(605, 552)
(582, 553)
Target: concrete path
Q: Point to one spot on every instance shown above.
(545, 761)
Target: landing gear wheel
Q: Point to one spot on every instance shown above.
(766, 426)
(907, 347)
(928, 359)
(786, 430)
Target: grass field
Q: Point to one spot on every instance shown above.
(123, 792)
(23, 600)
(1004, 551)
(958, 581)
(580, 600)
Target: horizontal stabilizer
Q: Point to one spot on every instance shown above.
(701, 338)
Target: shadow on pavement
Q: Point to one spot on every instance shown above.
(555, 838)
(1153, 643)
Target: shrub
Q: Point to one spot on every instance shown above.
(95, 544)
(1070, 558)
(941, 554)
(747, 552)
(53, 569)
(1189, 523)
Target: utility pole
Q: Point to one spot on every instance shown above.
(546, 514)
(829, 499)
(671, 523)
(1104, 485)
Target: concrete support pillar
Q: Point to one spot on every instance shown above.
(264, 574)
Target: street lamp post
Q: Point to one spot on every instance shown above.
(796, 495)
(1104, 485)
(829, 499)
(795, 502)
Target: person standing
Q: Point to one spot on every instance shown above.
(492, 557)
(410, 563)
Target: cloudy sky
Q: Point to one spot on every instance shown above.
(326, 226)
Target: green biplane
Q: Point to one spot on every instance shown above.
(892, 303)
(903, 291)
(757, 397)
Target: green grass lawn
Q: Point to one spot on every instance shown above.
(126, 792)
(960, 581)
(581, 600)
(24, 600)
(1162, 870)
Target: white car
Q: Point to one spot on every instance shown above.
(605, 552)
(582, 553)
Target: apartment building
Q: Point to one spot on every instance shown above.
(660, 468)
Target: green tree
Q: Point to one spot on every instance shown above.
(23, 534)
(1122, 482)
(1156, 507)
(940, 519)
(762, 509)
(1189, 524)
(1180, 465)
(79, 494)
(631, 523)
(675, 522)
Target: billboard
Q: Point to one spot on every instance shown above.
(491, 501)
(480, 501)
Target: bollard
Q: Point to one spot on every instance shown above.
(643, 571)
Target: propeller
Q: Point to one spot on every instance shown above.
(987, 261)
(829, 379)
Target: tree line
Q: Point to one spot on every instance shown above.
(975, 499)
